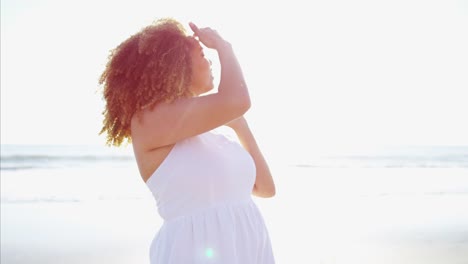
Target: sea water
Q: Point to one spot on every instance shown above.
(59, 173)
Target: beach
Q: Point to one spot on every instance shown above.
(359, 107)
(104, 213)
(342, 216)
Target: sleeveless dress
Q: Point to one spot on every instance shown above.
(203, 193)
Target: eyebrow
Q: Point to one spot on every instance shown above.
(196, 43)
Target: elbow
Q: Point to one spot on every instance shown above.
(269, 194)
(238, 105)
(246, 104)
(265, 192)
(237, 101)
(242, 101)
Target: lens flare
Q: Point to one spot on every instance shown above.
(209, 252)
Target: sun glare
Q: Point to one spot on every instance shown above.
(337, 73)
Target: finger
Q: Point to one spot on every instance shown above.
(194, 28)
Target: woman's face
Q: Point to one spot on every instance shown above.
(202, 77)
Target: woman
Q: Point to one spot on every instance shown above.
(155, 86)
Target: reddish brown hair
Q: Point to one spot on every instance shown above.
(151, 66)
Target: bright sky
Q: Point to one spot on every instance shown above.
(326, 73)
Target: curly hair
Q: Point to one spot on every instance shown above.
(151, 66)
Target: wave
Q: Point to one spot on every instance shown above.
(32, 158)
(385, 162)
(386, 166)
(27, 162)
(15, 168)
(130, 197)
(57, 199)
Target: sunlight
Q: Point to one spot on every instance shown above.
(336, 73)
(334, 86)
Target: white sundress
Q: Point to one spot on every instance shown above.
(203, 194)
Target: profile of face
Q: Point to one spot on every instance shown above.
(202, 76)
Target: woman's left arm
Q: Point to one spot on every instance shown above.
(264, 185)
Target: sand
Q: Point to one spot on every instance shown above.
(326, 217)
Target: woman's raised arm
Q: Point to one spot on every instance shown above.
(169, 122)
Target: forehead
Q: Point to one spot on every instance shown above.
(195, 43)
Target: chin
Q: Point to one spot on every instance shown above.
(208, 88)
(211, 87)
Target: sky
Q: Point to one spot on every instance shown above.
(322, 74)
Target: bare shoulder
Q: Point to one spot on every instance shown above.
(149, 126)
(148, 157)
(168, 123)
(149, 161)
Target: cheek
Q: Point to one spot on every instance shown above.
(201, 73)
(205, 64)
(198, 77)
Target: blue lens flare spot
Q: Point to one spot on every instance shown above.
(209, 253)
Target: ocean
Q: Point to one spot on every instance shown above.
(53, 168)
(26, 157)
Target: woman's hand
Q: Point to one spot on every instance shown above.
(208, 36)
